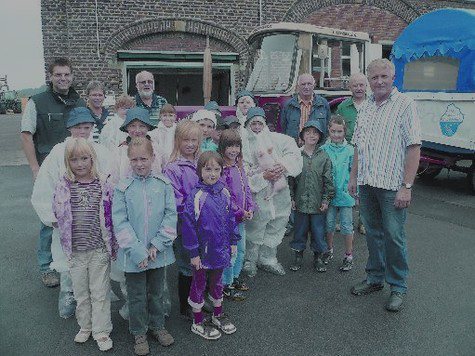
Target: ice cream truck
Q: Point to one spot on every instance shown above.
(434, 59)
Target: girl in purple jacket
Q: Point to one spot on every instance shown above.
(235, 179)
(82, 206)
(210, 236)
(181, 170)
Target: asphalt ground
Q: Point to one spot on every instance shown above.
(301, 313)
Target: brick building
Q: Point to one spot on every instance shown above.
(111, 40)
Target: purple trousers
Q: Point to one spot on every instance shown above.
(198, 287)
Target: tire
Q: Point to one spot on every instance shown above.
(428, 171)
(471, 179)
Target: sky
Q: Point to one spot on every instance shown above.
(21, 43)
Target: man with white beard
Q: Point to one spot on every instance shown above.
(146, 97)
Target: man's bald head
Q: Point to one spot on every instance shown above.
(305, 85)
(358, 84)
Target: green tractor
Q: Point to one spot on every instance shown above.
(9, 101)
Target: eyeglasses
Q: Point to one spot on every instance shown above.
(143, 82)
(62, 75)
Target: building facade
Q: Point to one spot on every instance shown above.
(111, 40)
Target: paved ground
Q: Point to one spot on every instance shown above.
(302, 313)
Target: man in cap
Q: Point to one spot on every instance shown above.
(44, 125)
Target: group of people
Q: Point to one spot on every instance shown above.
(120, 198)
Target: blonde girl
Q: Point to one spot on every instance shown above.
(82, 206)
(181, 170)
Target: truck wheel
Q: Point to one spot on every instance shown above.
(428, 171)
(471, 179)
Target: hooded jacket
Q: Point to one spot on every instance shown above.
(211, 235)
(341, 156)
(315, 184)
(236, 182)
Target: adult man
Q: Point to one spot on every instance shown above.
(349, 108)
(303, 107)
(387, 143)
(145, 97)
(44, 125)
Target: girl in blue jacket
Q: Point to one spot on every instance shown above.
(210, 236)
(341, 155)
(144, 218)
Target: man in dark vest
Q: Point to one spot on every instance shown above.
(44, 125)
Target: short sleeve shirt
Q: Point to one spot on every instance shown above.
(383, 133)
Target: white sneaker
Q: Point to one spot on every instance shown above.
(82, 336)
(205, 331)
(104, 344)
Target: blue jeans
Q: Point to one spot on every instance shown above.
(385, 237)
(144, 290)
(346, 219)
(236, 262)
(43, 253)
(315, 223)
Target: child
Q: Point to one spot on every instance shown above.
(244, 101)
(137, 124)
(341, 155)
(264, 233)
(181, 170)
(207, 121)
(144, 216)
(111, 135)
(164, 134)
(311, 192)
(82, 207)
(210, 239)
(80, 124)
(235, 179)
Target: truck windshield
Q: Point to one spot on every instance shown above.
(273, 59)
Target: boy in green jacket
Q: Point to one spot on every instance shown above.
(311, 193)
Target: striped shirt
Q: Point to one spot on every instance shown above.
(382, 135)
(305, 108)
(85, 208)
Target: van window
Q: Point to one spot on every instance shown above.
(434, 73)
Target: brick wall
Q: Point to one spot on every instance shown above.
(69, 26)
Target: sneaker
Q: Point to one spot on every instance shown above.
(141, 347)
(347, 264)
(250, 268)
(236, 296)
(394, 303)
(50, 279)
(297, 264)
(275, 268)
(223, 323)
(227, 291)
(364, 288)
(205, 331)
(163, 337)
(318, 264)
(82, 336)
(104, 343)
(361, 228)
(66, 304)
(327, 257)
(239, 285)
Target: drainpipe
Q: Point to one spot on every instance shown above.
(260, 12)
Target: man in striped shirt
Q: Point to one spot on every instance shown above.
(387, 143)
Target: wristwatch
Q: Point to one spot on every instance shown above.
(407, 185)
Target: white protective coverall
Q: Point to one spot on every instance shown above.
(265, 231)
(165, 136)
(111, 135)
